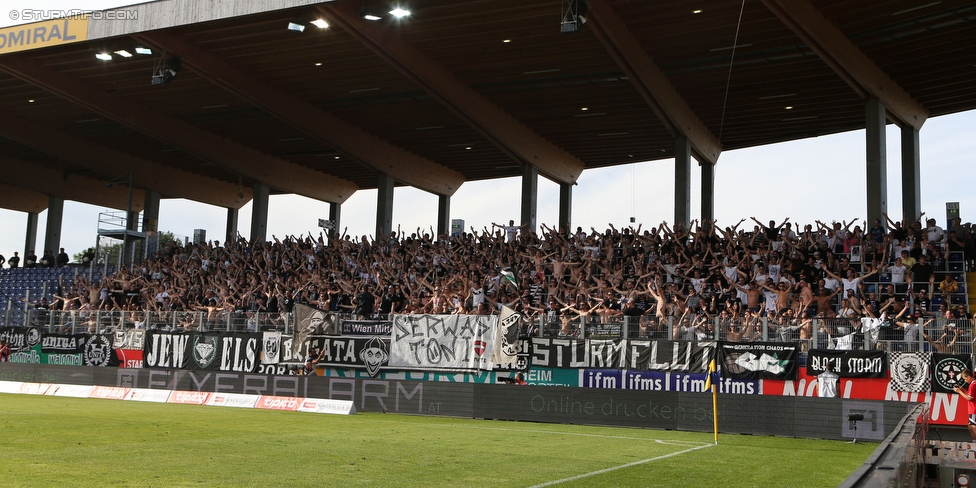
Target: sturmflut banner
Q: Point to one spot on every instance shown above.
(662, 355)
(435, 342)
(576, 353)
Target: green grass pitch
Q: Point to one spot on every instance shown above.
(84, 442)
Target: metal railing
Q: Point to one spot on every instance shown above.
(937, 335)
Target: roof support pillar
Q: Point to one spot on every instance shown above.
(230, 229)
(52, 233)
(259, 213)
(444, 216)
(530, 197)
(682, 180)
(384, 206)
(31, 239)
(877, 170)
(150, 222)
(707, 192)
(565, 208)
(911, 191)
(335, 213)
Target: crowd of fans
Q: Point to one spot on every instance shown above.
(691, 278)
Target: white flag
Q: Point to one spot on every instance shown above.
(506, 340)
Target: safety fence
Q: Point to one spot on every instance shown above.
(938, 335)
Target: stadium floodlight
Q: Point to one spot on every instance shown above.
(292, 26)
(104, 56)
(320, 23)
(399, 12)
(371, 17)
(124, 53)
(143, 50)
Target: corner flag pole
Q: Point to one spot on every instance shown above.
(712, 382)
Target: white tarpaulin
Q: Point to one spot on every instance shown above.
(458, 342)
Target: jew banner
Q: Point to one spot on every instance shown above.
(947, 371)
(458, 342)
(576, 353)
(234, 351)
(765, 360)
(166, 350)
(848, 364)
(686, 356)
(910, 371)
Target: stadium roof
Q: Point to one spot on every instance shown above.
(455, 91)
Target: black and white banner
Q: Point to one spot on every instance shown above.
(947, 371)
(98, 351)
(506, 340)
(130, 339)
(20, 338)
(236, 352)
(759, 360)
(233, 351)
(63, 343)
(436, 342)
(685, 356)
(166, 350)
(365, 327)
(848, 364)
(309, 321)
(576, 353)
(371, 353)
(910, 371)
(271, 348)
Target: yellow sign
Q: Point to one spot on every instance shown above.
(43, 34)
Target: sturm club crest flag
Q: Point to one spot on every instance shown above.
(506, 340)
(759, 360)
(947, 371)
(271, 348)
(910, 371)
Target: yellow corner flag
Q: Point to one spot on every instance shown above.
(711, 371)
(712, 385)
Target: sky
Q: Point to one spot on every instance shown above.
(820, 178)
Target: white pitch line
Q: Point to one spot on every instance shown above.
(554, 432)
(622, 466)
